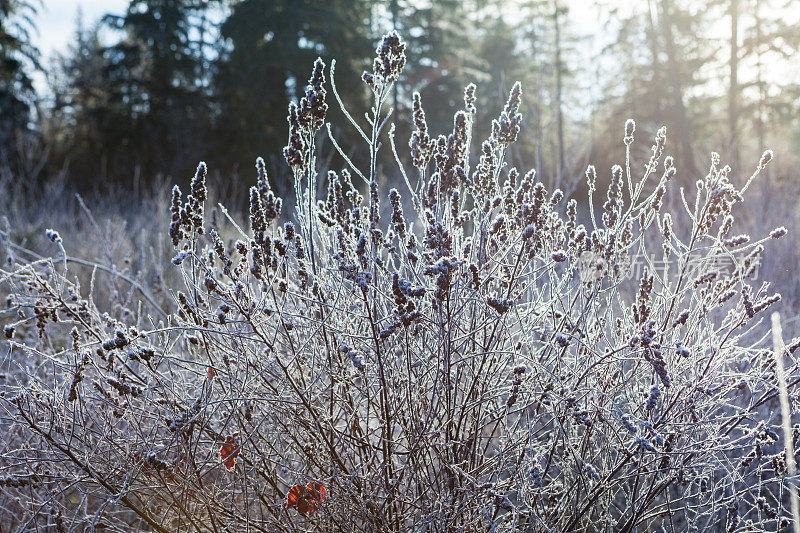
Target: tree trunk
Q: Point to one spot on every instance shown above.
(733, 89)
(559, 89)
(656, 80)
(536, 110)
(681, 120)
(762, 93)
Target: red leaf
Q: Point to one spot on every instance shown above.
(230, 451)
(306, 499)
(316, 491)
(294, 496)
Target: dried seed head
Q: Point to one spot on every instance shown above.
(294, 151)
(626, 423)
(175, 227)
(258, 223)
(777, 233)
(469, 98)
(630, 127)
(737, 240)
(199, 191)
(501, 305)
(766, 157)
(484, 182)
(506, 128)
(420, 142)
(766, 302)
(562, 340)
(591, 177)
(398, 220)
(312, 106)
(652, 398)
(53, 235)
(263, 180)
(613, 205)
(389, 63)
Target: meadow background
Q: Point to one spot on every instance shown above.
(135, 98)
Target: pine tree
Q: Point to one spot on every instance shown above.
(267, 50)
(767, 98)
(18, 58)
(155, 72)
(664, 57)
(83, 122)
(441, 58)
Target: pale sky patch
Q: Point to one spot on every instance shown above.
(57, 20)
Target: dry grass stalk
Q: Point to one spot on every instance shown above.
(779, 349)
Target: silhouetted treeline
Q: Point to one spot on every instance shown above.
(169, 82)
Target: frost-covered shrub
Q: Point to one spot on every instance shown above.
(469, 353)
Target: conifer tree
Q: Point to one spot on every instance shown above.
(18, 59)
(267, 47)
